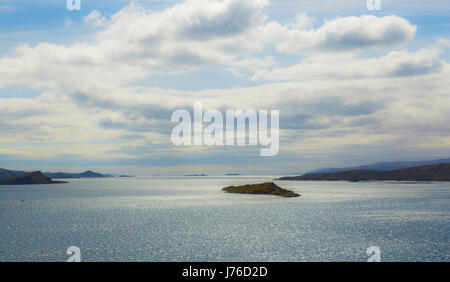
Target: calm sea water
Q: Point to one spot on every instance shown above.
(190, 219)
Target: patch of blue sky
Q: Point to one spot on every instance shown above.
(19, 91)
(33, 22)
(428, 26)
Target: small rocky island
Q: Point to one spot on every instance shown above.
(268, 188)
(35, 177)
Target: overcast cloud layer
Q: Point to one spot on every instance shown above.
(349, 89)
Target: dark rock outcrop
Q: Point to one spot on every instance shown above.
(268, 188)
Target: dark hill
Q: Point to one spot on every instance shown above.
(439, 172)
(35, 177)
(5, 173)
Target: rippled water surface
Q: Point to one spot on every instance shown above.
(190, 219)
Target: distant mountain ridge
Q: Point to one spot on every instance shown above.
(384, 166)
(86, 174)
(5, 173)
(439, 172)
(202, 174)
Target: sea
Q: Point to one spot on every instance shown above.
(166, 219)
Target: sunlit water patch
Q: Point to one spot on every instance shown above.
(191, 219)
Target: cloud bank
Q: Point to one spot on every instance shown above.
(348, 81)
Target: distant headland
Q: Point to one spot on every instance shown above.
(35, 177)
(438, 172)
(383, 166)
(4, 173)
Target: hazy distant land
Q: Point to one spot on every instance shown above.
(4, 173)
(439, 172)
(434, 172)
(383, 166)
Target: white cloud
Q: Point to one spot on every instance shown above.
(243, 66)
(303, 21)
(137, 43)
(349, 34)
(335, 66)
(444, 42)
(95, 18)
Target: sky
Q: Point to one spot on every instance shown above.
(95, 88)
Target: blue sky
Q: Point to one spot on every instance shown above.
(95, 88)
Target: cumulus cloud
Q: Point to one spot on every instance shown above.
(394, 64)
(95, 18)
(348, 34)
(138, 43)
(303, 21)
